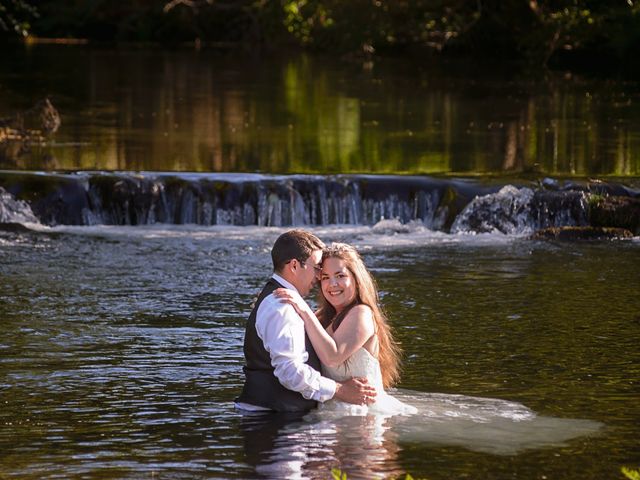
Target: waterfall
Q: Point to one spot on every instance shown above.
(15, 211)
(450, 205)
(521, 211)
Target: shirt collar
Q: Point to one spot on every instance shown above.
(283, 282)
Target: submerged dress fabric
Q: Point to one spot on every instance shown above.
(363, 364)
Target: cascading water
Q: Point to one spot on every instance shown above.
(15, 211)
(233, 199)
(449, 205)
(521, 211)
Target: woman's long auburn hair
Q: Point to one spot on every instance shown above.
(366, 294)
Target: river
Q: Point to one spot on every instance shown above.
(133, 244)
(182, 110)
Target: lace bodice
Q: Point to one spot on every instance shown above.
(363, 364)
(360, 364)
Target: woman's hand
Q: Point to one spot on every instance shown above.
(293, 298)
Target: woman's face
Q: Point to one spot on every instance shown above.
(337, 282)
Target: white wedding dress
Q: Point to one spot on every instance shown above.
(363, 364)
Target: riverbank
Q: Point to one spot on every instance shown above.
(566, 36)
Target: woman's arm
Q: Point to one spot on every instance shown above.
(356, 328)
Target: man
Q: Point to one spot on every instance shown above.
(282, 369)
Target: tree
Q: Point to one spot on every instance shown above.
(15, 16)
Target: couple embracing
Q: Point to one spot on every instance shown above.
(348, 339)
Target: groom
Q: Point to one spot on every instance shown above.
(282, 369)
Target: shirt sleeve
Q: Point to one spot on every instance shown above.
(282, 332)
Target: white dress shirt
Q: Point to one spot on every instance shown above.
(282, 332)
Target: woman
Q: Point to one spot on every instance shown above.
(350, 332)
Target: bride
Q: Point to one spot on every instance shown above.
(350, 332)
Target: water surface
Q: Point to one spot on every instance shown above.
(182, 110)
(122, 353)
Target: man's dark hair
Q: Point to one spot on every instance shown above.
(298, 244)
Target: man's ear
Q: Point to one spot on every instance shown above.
(294, 265)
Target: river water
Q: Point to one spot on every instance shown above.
(122, 354)
(159, 110)
(122, 320)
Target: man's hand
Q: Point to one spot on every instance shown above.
(357, 391)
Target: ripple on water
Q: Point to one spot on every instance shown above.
(122, 353)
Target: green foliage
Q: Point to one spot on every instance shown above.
(575, 25)
(15, 16)
(536, 30)
(337, 474)
(630, 474)
(594, 199)
(369, 25)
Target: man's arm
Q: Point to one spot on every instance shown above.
(282, 332)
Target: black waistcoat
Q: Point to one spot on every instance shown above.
(261, 386)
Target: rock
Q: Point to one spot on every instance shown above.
(450, 206)
(550, 184)
(14, 211)
(14, 227)
(520, 211)
(30, 127)
(40, 120)
(52, 199)
(507, 211)
(582, 233)
(615, 211)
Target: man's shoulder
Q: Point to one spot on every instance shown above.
(274, 317)
(272, 305)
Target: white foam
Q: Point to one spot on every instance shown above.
(361, 236)
(15, 211)
(508, 211)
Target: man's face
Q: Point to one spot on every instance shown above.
(307, 274)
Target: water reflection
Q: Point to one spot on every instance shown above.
(296, 446)
(308, 446)
(149, 110)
